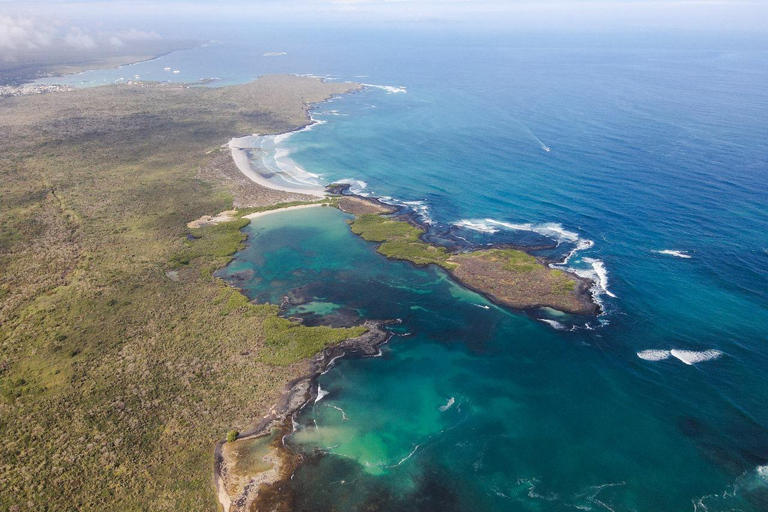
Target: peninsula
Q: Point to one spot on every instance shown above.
(123, 359)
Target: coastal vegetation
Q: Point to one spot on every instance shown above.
(122, 357)
(400, 240)
(510, 277)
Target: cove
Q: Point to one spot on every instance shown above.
(467, 408)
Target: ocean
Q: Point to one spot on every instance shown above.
(640, 162)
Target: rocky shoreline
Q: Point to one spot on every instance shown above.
(264, 489)
(483, 270)
(261, 487)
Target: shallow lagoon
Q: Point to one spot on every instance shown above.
(477, 409)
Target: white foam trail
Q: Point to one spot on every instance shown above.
(343, 414)
(332, 363)
(552, 230)
(447, 405)
(391, 89)
(582, 245)
(602, 275)
(357, 187)
(691, 357)
(476, 225)
(321, 393)
(530, 132)
(654, 355)
(408, 457)
(483, 306)
(677, 254)
(553, 323)
(597, 272)
(420, 208)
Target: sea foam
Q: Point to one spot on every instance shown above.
(321, 393)
(602, 275)
(553, 323)
(595, 272)
(677, 254)
(691, 357)
(551, 230)
(447, 405)
(420, 208)
(654, 355)
(391, 89)
(357, 187)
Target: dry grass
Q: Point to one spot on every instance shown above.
(121, 358)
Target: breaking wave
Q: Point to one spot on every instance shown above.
(390, 89)
(677, 254)
(420, 208)
(321, 393)
(689, 357)
(357, 187)
(551, 230)
(654, 355)
(594, 270)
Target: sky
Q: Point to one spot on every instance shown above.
(82, 23)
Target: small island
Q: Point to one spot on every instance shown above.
(508, 277)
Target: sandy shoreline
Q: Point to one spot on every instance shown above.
(240, 149)
(279, 210)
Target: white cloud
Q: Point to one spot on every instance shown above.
(119, 38)
(23, 33)
(138, 35)
(79, 39)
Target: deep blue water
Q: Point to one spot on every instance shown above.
(652, 147)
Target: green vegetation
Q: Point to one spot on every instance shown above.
(288, 341)
(400, 240)
(516, 279)
(561, 282)
(232, 436)
(514, 260)
(122, 359)
(216, 242)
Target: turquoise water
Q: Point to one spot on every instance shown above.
(623, 148)
(483, 409)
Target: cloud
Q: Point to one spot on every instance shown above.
(78, 39)
(23, 33)
(138, 35)
(120, 38)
